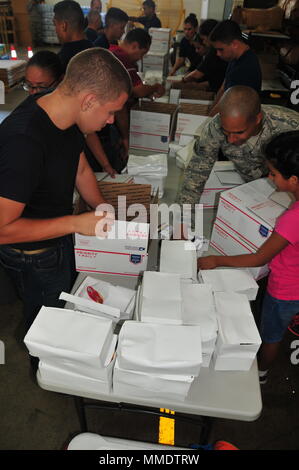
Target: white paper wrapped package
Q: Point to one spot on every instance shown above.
(140, 384)
(151, 170)
(161, 299)
(152, 165)
(53, 373)
(160, 349)
(199, 309)
(78, 340)
(231, 280)
(179, 256)
(238, 338)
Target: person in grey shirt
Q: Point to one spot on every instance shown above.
(240, 130)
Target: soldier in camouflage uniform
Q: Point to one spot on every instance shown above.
(240, 130)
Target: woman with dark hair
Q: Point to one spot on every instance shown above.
(187, 48)
(43, 72)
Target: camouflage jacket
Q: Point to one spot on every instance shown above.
(248, 158)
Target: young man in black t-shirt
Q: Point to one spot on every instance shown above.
(41, 161)
(243, 65)
(69, 25)
(150, 19)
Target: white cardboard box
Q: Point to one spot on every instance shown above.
(151, 126)
(126, 254)
(244, 208)
(160, 39)
(118, 302)
(227, 242)
(156, 61)
(215, 185)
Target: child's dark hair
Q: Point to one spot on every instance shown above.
(283, 153)
(192, 19)
(47, 60)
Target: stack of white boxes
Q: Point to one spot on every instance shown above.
(152, 170)
(76, 349)
(238, 339)
(158, 56)
(150, 363)
(48, 28)
(246, 217)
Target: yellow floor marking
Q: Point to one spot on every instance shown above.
(166, 428)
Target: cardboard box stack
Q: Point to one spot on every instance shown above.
(160, 39)
(48, 28)
(246, 217)
(76, 349)
(12, 72)
(157, 59)
(152, 170)
(152, 126)
(149, 362)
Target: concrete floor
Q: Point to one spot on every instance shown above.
(35, 419)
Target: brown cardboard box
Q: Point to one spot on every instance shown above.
(263, 19)
(135, 194)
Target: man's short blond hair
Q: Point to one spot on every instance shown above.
(97, 71)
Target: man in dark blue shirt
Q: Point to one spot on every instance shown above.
(243, 65)
(150, 19)
(115, 23)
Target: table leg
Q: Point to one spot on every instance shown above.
(79, 404)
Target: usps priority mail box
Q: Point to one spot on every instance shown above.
(124, 251)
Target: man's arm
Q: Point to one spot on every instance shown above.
(95, 146)
(205, 153)
(180, 61)
(193, 76)
(142, 91)
(15, 229)
(87, 184)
